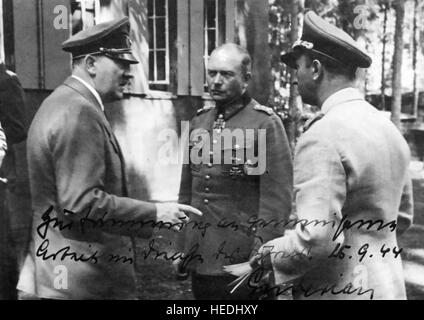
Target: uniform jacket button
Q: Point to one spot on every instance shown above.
(206, 201)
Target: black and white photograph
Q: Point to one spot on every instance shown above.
(233, 151)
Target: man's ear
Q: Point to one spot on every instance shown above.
(317, 69)
(247, 77)
(90, 64)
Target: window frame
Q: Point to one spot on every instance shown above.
(155, 81)
(220, 31)
(83, 8)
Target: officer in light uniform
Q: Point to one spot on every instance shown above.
(351, 171)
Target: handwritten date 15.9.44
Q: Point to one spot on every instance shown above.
(346, 252)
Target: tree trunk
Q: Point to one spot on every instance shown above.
(414, 61)
(397, 63)
(293, 106)
(383, 60)
(255, 38)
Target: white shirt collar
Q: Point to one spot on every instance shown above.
(341, 96)
(92, 90)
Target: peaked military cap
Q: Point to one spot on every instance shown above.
(110, 39)
(322, 37)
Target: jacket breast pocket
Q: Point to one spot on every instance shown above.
(238, 158)
(195, 154)
(195, 168)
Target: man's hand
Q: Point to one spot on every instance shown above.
(263, 257)
(175, 213)
(180, 269)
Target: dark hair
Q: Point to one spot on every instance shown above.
(333, 67)
(78, 61)
(246, 61)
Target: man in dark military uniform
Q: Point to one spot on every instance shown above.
(350, 175)
(12, 119)
(229, 185)
(83, 218)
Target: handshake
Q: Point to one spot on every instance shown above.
(175, 213)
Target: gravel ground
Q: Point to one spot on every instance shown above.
(156, 277)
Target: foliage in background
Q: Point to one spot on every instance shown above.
(369, 30)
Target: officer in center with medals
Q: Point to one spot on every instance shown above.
(237, 181)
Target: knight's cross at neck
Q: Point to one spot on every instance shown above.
(219, 124)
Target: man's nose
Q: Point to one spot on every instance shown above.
(217, 79)
(127, 77)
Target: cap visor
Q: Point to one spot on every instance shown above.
(130, 58)
(127, 57)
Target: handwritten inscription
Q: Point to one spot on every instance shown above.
(378, 225)
(64, 253)
(250, 226)
(344, 251)
(156, 253)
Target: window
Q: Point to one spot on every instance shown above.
(84, 14)
(214, 27)
(201, 27)
(158, 26)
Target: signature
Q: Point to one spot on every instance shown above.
(265, 290)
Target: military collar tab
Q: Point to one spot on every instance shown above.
(312, 120)
(232, 108)
(205, 108)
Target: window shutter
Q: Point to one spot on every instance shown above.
(183, 59)
(230, 18)
(137, 12)
(26, 47)
(57, 64)
(197, 72)
(40, 61)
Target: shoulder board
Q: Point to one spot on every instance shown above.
(262, 108)
(10, 73)
(204, 109)
(311, 121)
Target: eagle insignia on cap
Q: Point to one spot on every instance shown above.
(323, 38)
(109, 38)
